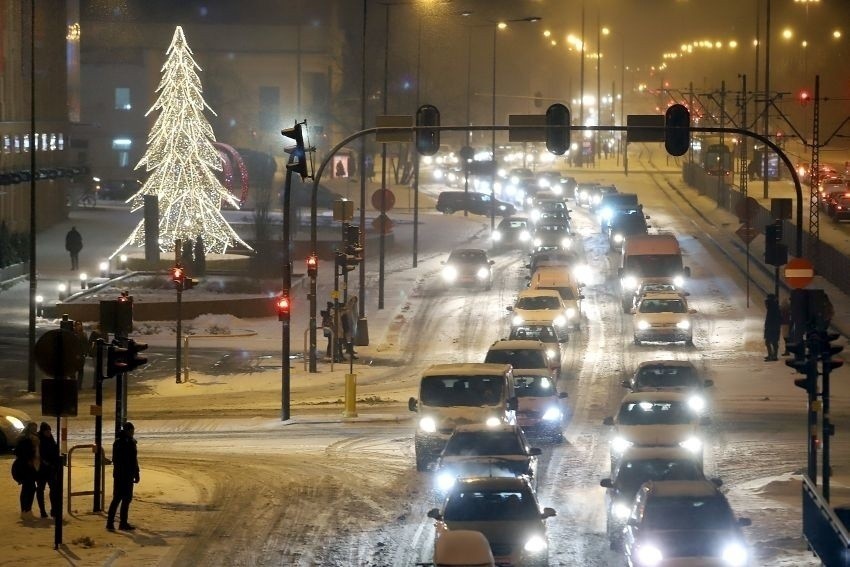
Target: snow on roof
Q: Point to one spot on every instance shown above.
(467, 369)
(668, 362)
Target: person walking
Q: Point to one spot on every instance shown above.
(73, 244)
(349, 325)
(83, 351)
(125, 473)
(772, 324)
(28, 463)
(785, 326)
(327, 327)
(48, 474)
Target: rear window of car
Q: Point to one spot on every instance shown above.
(468, 256)
(518, 358)
(481, 506)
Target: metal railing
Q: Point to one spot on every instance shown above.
(103, 463)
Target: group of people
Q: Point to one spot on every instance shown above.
(341, 329)
(38, 466)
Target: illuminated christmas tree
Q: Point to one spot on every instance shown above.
(182, 162)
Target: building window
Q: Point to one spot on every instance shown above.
(7, 144)
(269, 108)
(122, 99)
(122, 146)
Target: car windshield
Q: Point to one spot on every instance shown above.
(667, 377)
(542, 333)
(655, 413)
(473, 391)
(551, 227)
(654, 265)
(633, 473)
(518, 358)
(629, 222)
(468, 257)
(491, 506)
(697, 513)
(534, 386)
(513, 225)
(662, 306)
(478, 443)
(538, 302)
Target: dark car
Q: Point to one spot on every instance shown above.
(626, 224)
(556, 183)
(476, 203)
(841, 209)
(468, 266)
(512, 232)
(597, 193)
(613, 204)
(582, 192)
(552, 232)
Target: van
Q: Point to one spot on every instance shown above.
(560, 279)
(650, 256)
(476, 203)
(458, 394)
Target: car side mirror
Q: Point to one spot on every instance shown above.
(632, 311)
(606, 483)
(563, 395)
(708, 383)
(535, 452)
(717, 482)
(646, 217)
(686, 293)
(443, 262)
(705, 420)
(548, 513)
(687, 272)
(528, 266)
(626, 384)
(512, 404)
(608, 421)
(632, 522)
(411, 404)
(435, 514)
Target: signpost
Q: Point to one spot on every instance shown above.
(747, 233)
(799, 273)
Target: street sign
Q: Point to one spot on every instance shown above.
(57, 353)
(535, 134)
(382, 223)
(780, 208)
(799, 273)
(343, 210)
(383, 200)
(652, 131)
(394, 121)
(747, 233)
(746, 209)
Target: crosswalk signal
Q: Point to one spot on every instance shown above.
(775, 252)
(282, 305)
(677, 130)
(132, 359)
(558, 129)
(298, 161)
(312, 266)
(427, 139)
(181, 281)
(345, 262)
(830, 350)
(116, 360)
(353, 242)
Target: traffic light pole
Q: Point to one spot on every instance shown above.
(179, 332)
(287, 285)
(827, 427)
(98, 425)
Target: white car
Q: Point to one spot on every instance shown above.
(12, 424)
(656, 419)
(538, 305)
(663, 316)
(526, 356)
(672, 375)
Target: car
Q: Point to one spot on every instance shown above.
(540, 409)
(552, 232)
(613, 204)
(637, 466)
(526, 355)
(506, 511)
(656, 419)
(468, 266)
(547, 207)
(830, 200)
(12, 424)
(463, 547)
(674, 375)
(554, 337)
(512, 232)
(663, 316)
(555, 182)
(582, 192)
(597, 193)
(481, 450)
(684, 522)
(550, 256)
(656, 285)
(625, 224)
(841, 209)
(476, 203)
(538, 305)
(560, 279)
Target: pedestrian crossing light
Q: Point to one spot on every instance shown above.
(181, 281)
(677, 130)
(298, 162)
(116, 360)
(427, 139)
(133, 360)
(558, 129)
(283, 306)
(312, 266)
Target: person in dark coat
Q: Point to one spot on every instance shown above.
(73, 244)
(327, 326)
(772, 326)
(29, 462)
(48, 474)
(125, 473)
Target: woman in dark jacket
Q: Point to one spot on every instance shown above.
(28, 463)
(49, 472)
(772, 325)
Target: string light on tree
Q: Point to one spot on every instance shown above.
(181, 161)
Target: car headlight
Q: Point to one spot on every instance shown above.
(566, 243)
(482, 273)
(15, 422)
(535, 214)
(642, 325)
(649, 555)
(734, 555)
(517, 320)
(678, 281)
(449, 274)
(696, 403)
(438, 174)
(582, 273)
(552, 414)
(570, 312)
(538, 242)
(492, 422)
(514, 179)
(629, 282)
(502, 207)
(428, 160)
(606, 214)
(543, 182)
(620, 444)
(550, 352)
(535, 544)
(692, 444)
(428, 425)
(524, 236)
(559, 321)
(684, 324)
(497, 236)
(452, 176)
(557, 190)
(596, 199)
(620, 510)
(618, 238)
(445, 481)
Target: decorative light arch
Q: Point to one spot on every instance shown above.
(229, 156)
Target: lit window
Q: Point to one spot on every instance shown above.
(122, 143)
(7, 144)
(61, 142)
(123, 159)
(122, 99)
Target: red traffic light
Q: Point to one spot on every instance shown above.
(282, 305)
(178, 274)
(805, 97)
(312, 266)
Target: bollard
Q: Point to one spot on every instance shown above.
(186, 359)
(350, 396)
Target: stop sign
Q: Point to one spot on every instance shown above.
(799, 273)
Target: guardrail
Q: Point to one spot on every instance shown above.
(103, 463)
(824, 531)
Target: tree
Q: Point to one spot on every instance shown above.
(181, 161)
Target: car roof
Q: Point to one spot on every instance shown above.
(537, 292)
(666, 363)
(462, 250)
(663, 295)
(514, 219)
(673, 488)
(516, 344)
(466, 369)
(655, 396)
(484, 428)
(492, 483)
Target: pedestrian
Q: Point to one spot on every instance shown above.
(28, 463)
(73, 244)
(785, 326)
(327, 326)
(370, 168)
(49, 472)
(350, 325)
(82, 351)
(94, 336)
(339, 333)
(772, 324)
(125, 473)
(753, 170)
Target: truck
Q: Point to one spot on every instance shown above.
(459, 394)
(650, 257)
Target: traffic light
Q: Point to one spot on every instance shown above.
(298, 162)
(312, 266)
(283, 306)
(829, 350)
(775, 252)
(345, 262)
(132, 359)
(181, 281)
(677, 133)
(427, 139)
(116, 360)
(558, 129)
(804, 97)
(353, 242)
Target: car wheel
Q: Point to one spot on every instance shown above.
(448, 210)
(421, 463)
(637, 341)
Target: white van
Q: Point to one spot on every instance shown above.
(558, 278)
(457, 394)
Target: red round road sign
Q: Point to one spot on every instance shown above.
(799, 273)
(386, 196)
(383, 223)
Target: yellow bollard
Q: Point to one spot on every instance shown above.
(350, 396)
